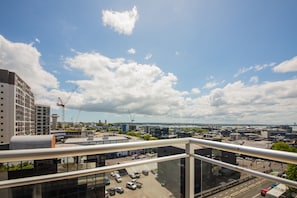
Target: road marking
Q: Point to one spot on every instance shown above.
(256, 195)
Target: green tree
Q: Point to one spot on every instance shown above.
(147, 136)
(291, 171)
(281, 146)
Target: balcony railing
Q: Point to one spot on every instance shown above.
(189, 156)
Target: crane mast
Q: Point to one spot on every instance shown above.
(61, 104)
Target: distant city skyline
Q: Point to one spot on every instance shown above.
(169, 61)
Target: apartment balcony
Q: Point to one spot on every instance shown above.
(186, 167)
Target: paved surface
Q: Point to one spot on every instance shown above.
(151, 188)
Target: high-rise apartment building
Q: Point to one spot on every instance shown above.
(42, 119)
(17, 109)
(54, 121)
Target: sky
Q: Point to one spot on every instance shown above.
(194, 61)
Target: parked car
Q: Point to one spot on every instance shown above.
(133, 176)
(264, 191)
(137, 174)
(131, 185)
(137, 183)
(107, 181)
(119, 190)
(106, 194)
(111, 191)
(113, 174)
(118, 178)
(145, 172)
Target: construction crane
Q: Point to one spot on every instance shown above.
(62, 104)
(131, 117)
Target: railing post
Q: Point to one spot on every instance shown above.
(189, 171)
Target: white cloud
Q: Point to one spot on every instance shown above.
(116, 86)
(270, 102)
(210, 85)
(23, 59)
(287, 66)
(254, 79)
(252, 68)
(148, 56)
(121, 22)
(131, 51)
(195, 91)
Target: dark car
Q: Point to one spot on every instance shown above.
(107, 181)
(145, 172)
(111, 191)
(137, 174)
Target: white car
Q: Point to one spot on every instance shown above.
(118, 178)
(131, 185)
(114, 173)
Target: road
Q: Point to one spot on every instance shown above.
(249, 189)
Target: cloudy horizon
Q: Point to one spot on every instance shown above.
(112, 80)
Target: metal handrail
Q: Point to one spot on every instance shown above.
(48, 153)
(37, 154)
(281, 156)
(82, 173)
(247, 170)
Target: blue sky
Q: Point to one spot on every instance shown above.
(163, 61)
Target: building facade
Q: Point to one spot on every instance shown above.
(17, 108)
(42, 119)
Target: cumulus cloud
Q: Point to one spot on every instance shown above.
(148, 56)
(23, 59)
(270, 102)
(121, 22)
(252, 68)
(287, 66)
(116, 86)
(131, 51)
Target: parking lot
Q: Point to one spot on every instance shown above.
(150, 186)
